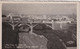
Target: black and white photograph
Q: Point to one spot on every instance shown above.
(36, 0)
(39, 25)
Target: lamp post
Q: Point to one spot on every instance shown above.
(12, 23)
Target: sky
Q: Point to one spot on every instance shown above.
(39, 8)
(38, 0)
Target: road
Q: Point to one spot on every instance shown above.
(71, 47)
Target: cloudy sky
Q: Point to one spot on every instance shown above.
(39, 8)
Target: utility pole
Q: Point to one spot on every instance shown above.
(53, 24)
(61, 24)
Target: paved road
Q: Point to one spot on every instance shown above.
(71, 47)
(32, 40)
